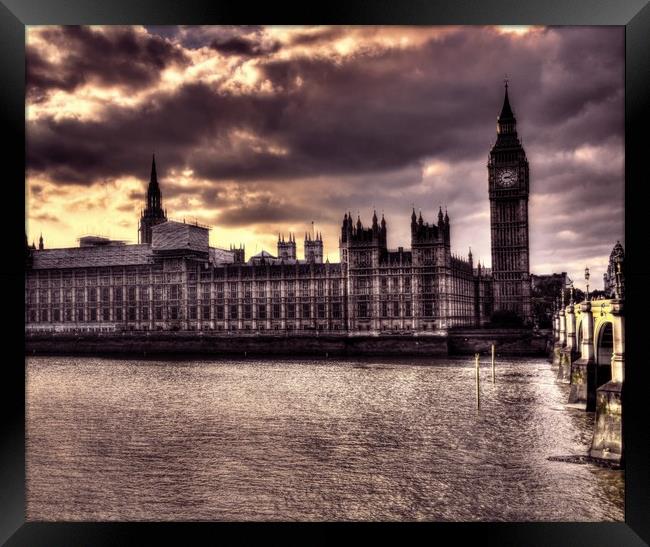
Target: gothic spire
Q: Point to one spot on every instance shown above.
(506, 122)
(506, 111)
(154, 176)
(154, 198)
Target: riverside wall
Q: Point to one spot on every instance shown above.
(507, 341)
(454, 342)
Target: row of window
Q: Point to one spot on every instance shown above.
(260, 288)
(175, 291)
(160, 313)
(427, 309)
(81, 278)
(205, 326)
(363, 309)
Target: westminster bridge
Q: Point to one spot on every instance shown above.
(589, 351)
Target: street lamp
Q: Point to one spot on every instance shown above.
(587, 282)
(618, 287)
(571, 293)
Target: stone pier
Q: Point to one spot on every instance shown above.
(561, 340)
(583, 370)
(569, 352)
(607, 443)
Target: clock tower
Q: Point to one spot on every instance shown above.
(508, 191)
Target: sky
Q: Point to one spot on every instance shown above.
(260, 130)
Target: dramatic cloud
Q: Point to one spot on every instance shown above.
(65, 58)
(264, 129)
(238, 45)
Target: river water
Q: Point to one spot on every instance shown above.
(367, 439)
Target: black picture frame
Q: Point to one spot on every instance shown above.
(633, 14)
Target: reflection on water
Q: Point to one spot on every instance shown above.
(365, 439)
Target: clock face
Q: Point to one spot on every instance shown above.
(506, 177)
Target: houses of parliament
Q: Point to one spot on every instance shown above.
(172, 279)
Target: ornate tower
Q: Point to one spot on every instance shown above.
(508, 191)
(431, 281)
(153, 213)
(287, 249)
(363, 250)
(313, 248)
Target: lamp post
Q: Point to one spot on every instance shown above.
(618, 287)
(587, 282)
(571, 301)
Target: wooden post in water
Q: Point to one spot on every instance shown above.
(478, 383)
(492, 363)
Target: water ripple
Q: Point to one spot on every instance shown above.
(372, 439)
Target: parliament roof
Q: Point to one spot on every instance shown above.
(93, 257)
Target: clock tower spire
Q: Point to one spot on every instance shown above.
(153, 213)
(508, 186)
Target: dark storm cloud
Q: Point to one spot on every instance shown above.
(376, 112)
(117, 56)
(355, 132)
(238, 45)
(317, 36)
(265, 210)
(172, 125)
(195, 37)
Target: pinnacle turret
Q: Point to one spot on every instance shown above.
(506, 122)
(506, 111)
(153, 212)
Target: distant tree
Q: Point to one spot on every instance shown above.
(595, 295)
(542, 312)
(506, 319)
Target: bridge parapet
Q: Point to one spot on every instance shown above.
(570, 350)
(559, 333)
(594, 331)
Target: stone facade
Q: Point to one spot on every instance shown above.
(178, 282)
(173, 280)
(508, 191)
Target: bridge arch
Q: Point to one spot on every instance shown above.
(603, 350)
(604, 342)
